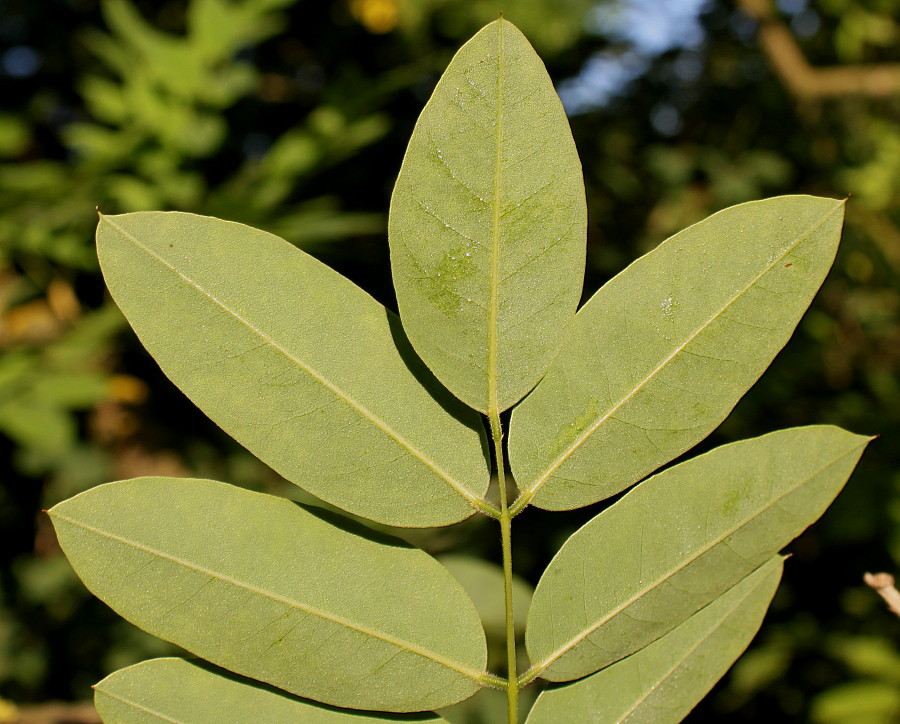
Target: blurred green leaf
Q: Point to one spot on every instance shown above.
(14, 136)
(868, 657)
(483, 582)
(859, 702)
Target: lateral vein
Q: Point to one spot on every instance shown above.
(139, 707)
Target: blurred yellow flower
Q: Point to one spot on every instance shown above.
(379, 16)
(8, 712)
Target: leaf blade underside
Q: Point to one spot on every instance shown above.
(176, 690)
(661, 354)
(298, 364)
(488, 223)
(662, 682)
(260, 586)
(678, 541)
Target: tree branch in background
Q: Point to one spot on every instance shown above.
(53, 713)
(806, 81)
(883, 584)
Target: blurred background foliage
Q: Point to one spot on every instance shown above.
(293, 116)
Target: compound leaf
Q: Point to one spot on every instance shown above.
(296, 363)
(662, 353)
(664, 681)
(488, 223)
(175, 690)
(678, 541)
(266, 589)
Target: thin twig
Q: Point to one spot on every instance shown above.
(883, 584)
(56, 713)
(807, 81)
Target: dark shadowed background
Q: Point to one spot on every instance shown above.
(293, 116)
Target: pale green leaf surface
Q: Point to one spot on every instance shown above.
(662, 682)
(483, 581)
(298, 364)
(679, 540)
(264, 588)
(488, 223)
(175, 690)
(662, 353)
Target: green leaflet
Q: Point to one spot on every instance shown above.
(662, 353)
(175, 690)
(664, 681)
(488, 223)
(678, 541)
(298, 364)
(260, 586)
